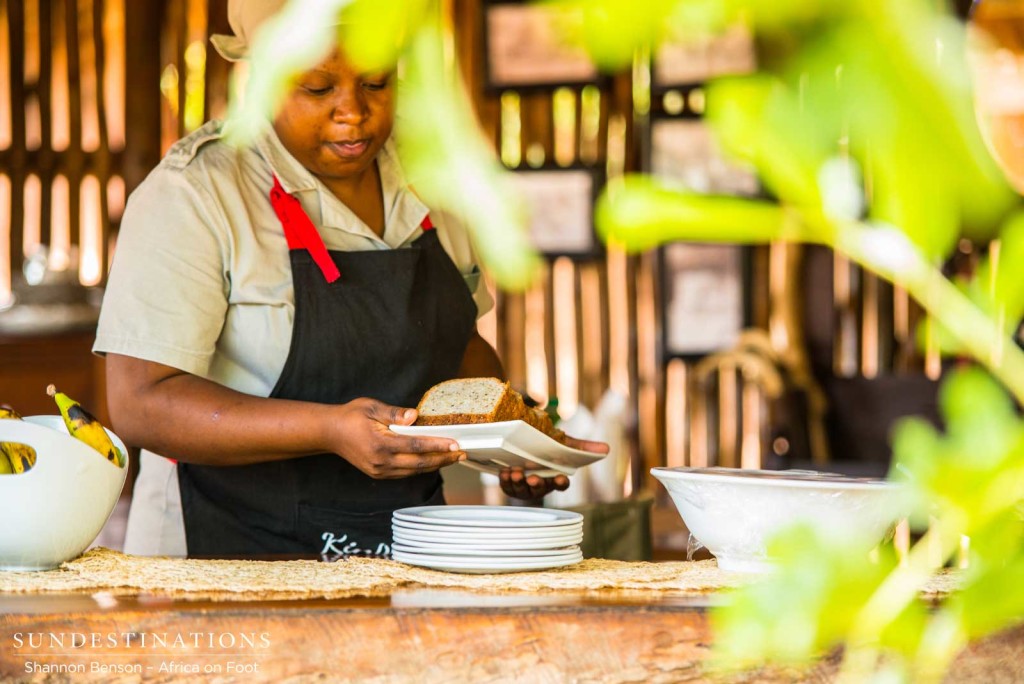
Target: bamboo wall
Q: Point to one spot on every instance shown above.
(62, 135)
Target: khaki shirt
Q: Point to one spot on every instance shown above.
(201, 279)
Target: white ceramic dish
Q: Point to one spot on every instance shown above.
(576, 555)
(483, 566)
(469, 529)
(456, 549)
(735, 513)
(488, 516)
(492, 447)
(473, 534)
(52, 512)
(448, 550)
(413, 539)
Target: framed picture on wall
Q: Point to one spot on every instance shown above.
(704, 308)
(684, 151)
(679, 63)
(560, 202)
(525, 48)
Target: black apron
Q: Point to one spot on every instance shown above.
(385, 324)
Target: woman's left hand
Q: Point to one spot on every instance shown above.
(517, 484)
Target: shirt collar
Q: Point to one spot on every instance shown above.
(403, 210)
(294, 176)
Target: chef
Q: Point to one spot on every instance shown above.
(271, 310)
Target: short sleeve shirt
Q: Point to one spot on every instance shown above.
(201, 278)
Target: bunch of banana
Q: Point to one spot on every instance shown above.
(15, 458)
(83, 426)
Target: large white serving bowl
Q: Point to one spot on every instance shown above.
(52, 512)
(735, 513)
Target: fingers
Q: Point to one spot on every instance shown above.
(403, 444)
(519, 485)
(388, 414)
(405, 465)
(586, 445)
(396, 415)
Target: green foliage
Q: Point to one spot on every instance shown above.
(808, 607)
(993, 596)
(976, 472)
(996, 287)
(452, 167)
(759, 119)
(613, 30)
(970, 479)
(644, 213)
(860, 125)
(377, 33)
(295, 39)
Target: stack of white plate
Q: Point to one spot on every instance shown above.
(486, 539)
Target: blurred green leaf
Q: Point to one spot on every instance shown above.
(758, 119)
(795, 16)
(453, 167)
(1001, 297)
(375, 33)
(640, 213)
(290, 42)
(993, 597)
(614, 30)
(1006, 293)
(807, 605)
(975, 473)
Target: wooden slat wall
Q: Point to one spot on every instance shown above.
(72, 81)
(65, 145)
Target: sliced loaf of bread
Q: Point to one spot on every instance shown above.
(470, 400)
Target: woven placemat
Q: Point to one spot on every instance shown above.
(103, 570)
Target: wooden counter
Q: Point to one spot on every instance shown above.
(416, 635)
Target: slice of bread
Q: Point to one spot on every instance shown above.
(480, 400)
(470, 400)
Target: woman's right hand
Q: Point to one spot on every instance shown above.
(359, 433)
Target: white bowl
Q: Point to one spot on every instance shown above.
(52, 512)
(735, 513)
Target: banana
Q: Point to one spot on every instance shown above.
(15, 458)
(83, 426)
(20, 456)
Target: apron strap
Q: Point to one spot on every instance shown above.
(300, 232)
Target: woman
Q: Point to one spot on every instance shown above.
(270, 311)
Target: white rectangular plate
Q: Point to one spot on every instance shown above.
(491, 447)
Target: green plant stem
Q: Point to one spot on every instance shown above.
(893, 257)
(891, 598)
(944, 637)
